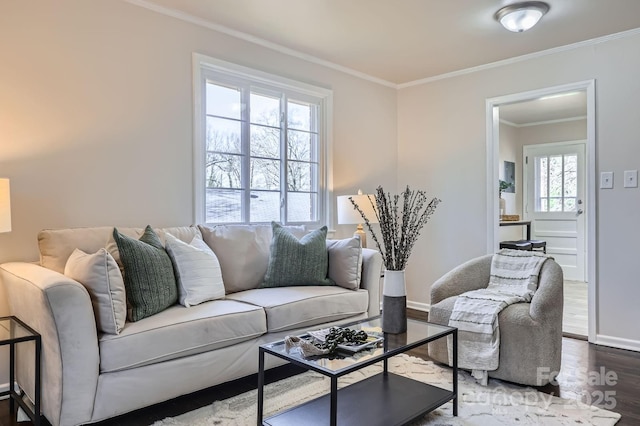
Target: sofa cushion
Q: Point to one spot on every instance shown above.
(178, 332)
(100, 274)
(345, 262)
(304, 306)
(197, 270)
(294, 261)
(148, 274)
(243, 252)
(56, 245)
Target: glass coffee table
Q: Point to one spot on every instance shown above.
(383, 399)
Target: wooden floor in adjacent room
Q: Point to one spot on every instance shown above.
(574, 315)
(579, 358)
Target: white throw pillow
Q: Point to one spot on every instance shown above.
(345, 262)
(197, 270)
(101, 276)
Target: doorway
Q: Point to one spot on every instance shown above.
(557, 209)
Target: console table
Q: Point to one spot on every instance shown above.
(526, 223)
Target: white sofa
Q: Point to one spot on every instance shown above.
(88, 376)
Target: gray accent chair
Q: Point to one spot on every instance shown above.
(530, 333)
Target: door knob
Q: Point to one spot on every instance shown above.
(580, 211)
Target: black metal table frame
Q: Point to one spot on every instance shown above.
(334, 376)
(34, 414)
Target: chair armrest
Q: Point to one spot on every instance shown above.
(547, 302)
(370, 280)
(60, 309)
(471, 275)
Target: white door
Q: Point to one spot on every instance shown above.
(555, 204)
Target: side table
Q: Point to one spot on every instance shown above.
(12, 332)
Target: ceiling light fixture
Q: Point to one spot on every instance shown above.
(519, 17)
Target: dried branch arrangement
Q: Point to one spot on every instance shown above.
(400, 223)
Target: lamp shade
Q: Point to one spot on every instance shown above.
(347, 214)
(5, 206)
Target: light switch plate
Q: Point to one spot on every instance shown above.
(606, 180)
(630, 178)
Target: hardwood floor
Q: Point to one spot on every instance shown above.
(574, 316)
(582, 365)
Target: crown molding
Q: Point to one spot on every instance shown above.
(522, 58)
(540, 123)
(256, 40)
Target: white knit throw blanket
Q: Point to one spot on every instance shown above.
(514, 279)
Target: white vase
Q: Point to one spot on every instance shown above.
(394, 302)
(503, 206)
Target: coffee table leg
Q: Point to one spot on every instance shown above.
(455, 372)
(260, 385)
(334, 401)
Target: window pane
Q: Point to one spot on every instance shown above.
(301, 207)
(223, 171)
(265, 110)
(543, 205)
(299, 116)
(265, 206)
(542, 176)
(569, 204)
(223, 101)
(555, 176)
(299, 176)
(570, 176)
(223, 135)
(300, 145)
(223, 205)
(555, 204)
(265, 142)
(265, 174)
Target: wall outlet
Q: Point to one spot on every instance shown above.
(606, 180)
(630, 178)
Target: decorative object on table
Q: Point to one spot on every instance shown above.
(348, 215)
(5, 205)
(510, 217)
(327, 340)
(400, 226)
(503, 185)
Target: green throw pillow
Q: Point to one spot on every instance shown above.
(148, 274)
(297, 262)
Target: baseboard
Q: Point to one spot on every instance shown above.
(418, 306)
(618, 342)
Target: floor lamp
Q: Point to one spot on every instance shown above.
(348, 215)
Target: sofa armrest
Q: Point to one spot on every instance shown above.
(471, 275)
(60, 309)
(371, 272)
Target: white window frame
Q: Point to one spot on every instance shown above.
(204, 66)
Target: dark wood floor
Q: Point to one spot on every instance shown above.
(582, 365)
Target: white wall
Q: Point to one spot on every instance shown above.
(96, 113)
(96, 117)
(508, 151)
(441, 144)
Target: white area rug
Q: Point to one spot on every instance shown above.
(500, 403)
